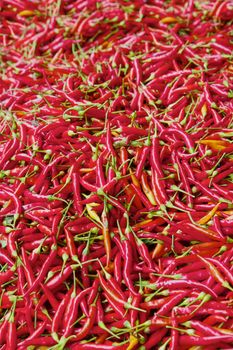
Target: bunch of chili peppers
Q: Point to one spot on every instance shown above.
(116, 168)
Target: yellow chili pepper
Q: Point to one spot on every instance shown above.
(86, 170)
(26, 13)
(223, 330)
(92, 213)
(208, 216)
(133, 341)
(204, 110)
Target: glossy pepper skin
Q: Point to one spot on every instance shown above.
(116, 175)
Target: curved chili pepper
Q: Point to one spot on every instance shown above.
(172, 284)
(56, 323)
(44, 271)
(40, 341)
(147, 189)
(215, 273)
(12, 146)
(127, 256)
(29, 340)
(155, 338)
(75, 301)
(171, 304)
(223, 268)
(124, 160)
(71, 245)
(193, 340)
(5, 258)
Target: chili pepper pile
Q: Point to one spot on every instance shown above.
(116, 163)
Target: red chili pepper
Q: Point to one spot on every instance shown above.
(213, 319)
(51, 298)
(118, 268)
(132, 118)
(4, 258)
(11, 147)
(202, 231)
(155, 338)
(144, 155)
(132, 195)
(44, 270)
(158, 186)
(127, 255)
(75, 301)
(203, 328)
(40, 341)
(144, 253)
(203, 341)
(58, 279)
(57, 319)
(171, 284)
(29, 340)
(124, 160)
(117, 303)
(11, 336)
(71, 245)
(171, 304)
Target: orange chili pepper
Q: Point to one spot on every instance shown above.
(101, 338)
(106, 235)
(146, 189)
(132, 194)
(169, 19)
(134, 179)
(228, 212)
(158, 251)
(207, 245)
(215, 273)
(217, 145)
(142, 223)
(110, 267)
